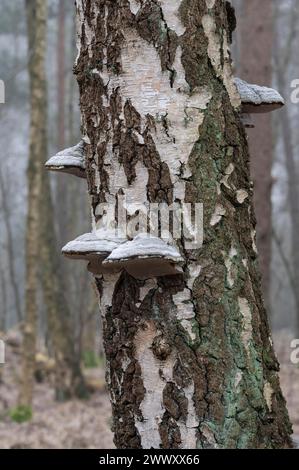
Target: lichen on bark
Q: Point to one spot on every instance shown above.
(190, 362)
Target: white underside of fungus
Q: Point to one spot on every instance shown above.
(258, 99)
(70, 160)
(145, 257)
(93, 247)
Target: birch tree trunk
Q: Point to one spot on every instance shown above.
(190, 362)
(256, 67)
(36, 23)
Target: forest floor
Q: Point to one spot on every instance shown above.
(75, 424)
(86, 424)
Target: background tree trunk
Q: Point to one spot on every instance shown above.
(292, 196)
(36, 23)
(10, 248)
(281, 64)
(256, 36)
(3, 309)
(41, 248)
(69, 379)
(190, 362)
(61, 74)
(61, 200)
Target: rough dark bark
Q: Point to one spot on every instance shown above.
(209, 379)
(256, 34)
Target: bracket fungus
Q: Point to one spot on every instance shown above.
(70, 160)
(145, 257)
(93, 247)
(258, 99)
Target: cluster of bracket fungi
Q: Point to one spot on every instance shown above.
(145, 256)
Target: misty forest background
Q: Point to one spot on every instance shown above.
(264, 52)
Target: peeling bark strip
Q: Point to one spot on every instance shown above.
(190, 362)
